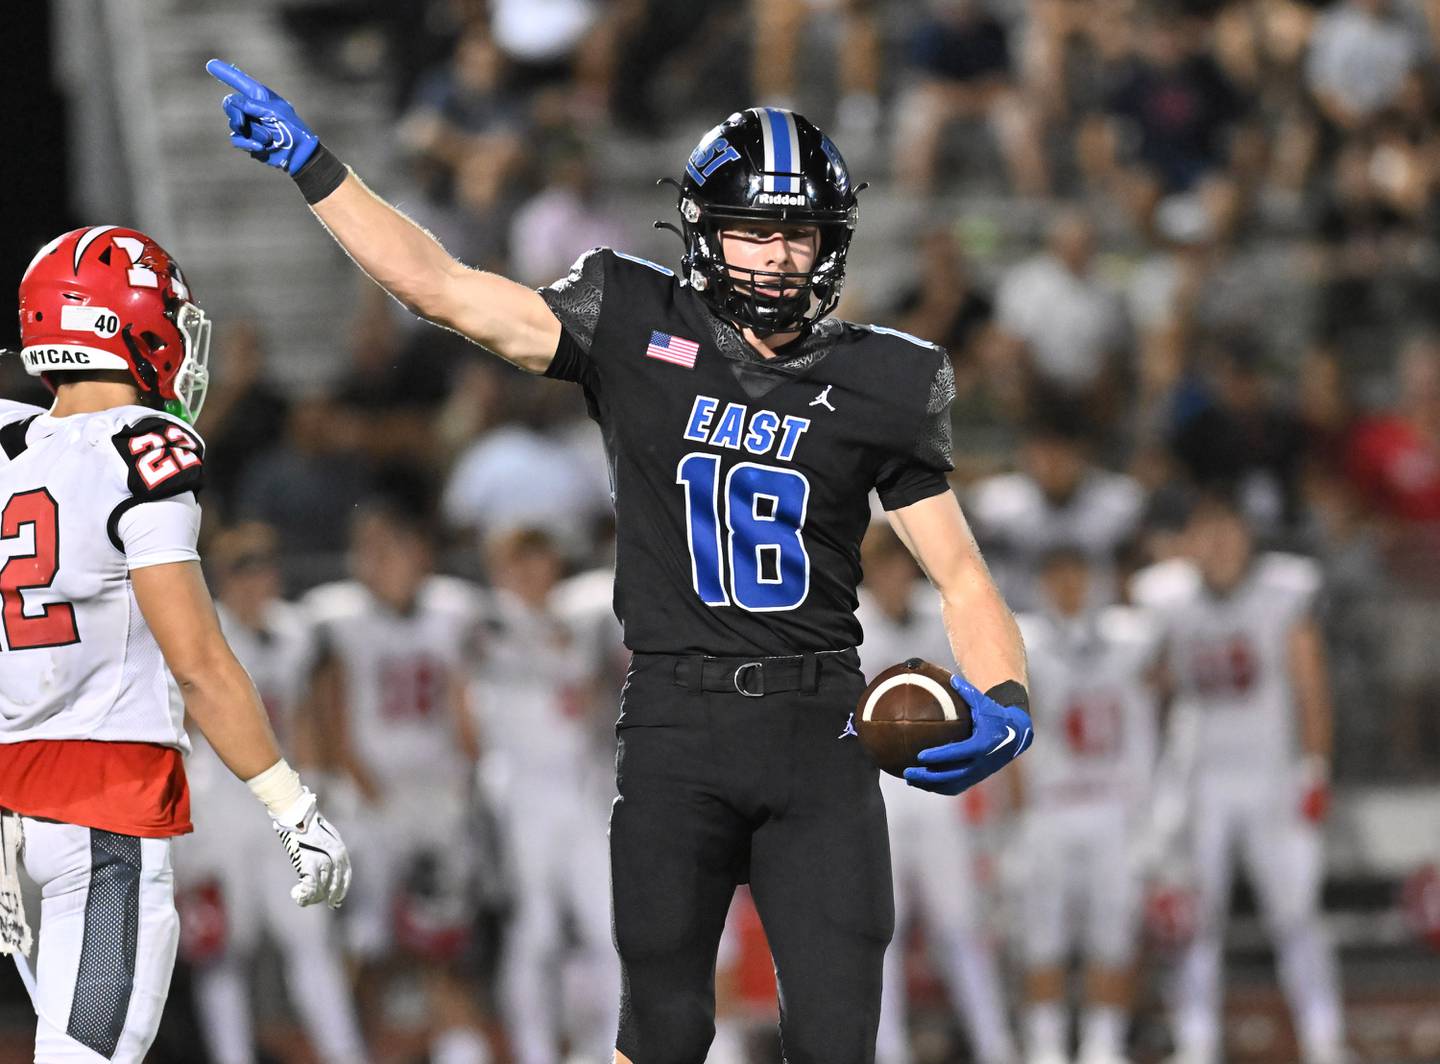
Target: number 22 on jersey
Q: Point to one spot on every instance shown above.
(751, 527)
(53, 625)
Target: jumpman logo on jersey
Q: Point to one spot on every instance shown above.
(823, 399)
(849, 726)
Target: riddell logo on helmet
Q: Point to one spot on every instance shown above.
(781, 199)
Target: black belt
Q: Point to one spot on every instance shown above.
(754, 677)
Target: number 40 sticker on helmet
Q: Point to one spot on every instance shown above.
(108, 298)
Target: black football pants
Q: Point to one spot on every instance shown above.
(716, 789)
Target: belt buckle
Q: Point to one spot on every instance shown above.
(740, 683)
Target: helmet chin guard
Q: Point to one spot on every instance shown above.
(772, 167)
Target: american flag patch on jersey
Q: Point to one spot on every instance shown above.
(674, 349)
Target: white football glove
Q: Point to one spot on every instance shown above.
(317, 852)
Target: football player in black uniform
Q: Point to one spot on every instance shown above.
(745, 429)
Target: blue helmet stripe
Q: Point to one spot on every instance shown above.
(780, 138)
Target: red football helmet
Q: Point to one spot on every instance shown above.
(104, 297)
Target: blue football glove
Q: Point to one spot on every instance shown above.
(262, 122)
(1002, 733)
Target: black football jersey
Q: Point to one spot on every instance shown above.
(741, 484)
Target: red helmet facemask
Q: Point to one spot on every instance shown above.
(104, 297)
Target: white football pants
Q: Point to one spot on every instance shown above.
(107, 939)
(236, 845)
(1285, 862)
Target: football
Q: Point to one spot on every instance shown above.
(907, 708)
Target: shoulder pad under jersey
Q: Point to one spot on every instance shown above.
(1165, 585)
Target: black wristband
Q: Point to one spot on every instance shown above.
(321, 175)
(1010, 693)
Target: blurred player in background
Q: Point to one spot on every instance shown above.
(390, 692)
(1058, 497)
(228, 869)
(1085, 800)
(547, 771)
(1246, 658)
(930, 847)
(745, 429)
(109, 638)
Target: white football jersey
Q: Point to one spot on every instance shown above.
(919, 634)
(1093, 704)
(1017, 525)
(535, 685)
(399, 671)
(1229, 657)
(279, 658)
(83, 500)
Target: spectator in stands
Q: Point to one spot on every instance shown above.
(245, 413)
(1393, 457)
(463, 99)
(521, 473)
(308, 488)
(1363, 236)
(473, 221)
(1393, 462)
(1243, 439)
(1173, 111)
(960, 67)
(1063, 328)
(563, 220)
(560, 51)
(1363, 54)
(944, 305)
(1058, 497)
(778, 27)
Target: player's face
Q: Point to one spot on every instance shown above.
(531, 574)
(1057, 465)
(890, 577)
(1067, 585)
(769, 248)
(250, 582)
(1220, 543)
(390, 561)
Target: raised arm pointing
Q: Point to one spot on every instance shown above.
(493, 311)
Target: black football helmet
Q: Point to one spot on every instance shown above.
(766, 164)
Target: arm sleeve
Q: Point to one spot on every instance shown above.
(919, 472)
(575, 299)
(166, 530)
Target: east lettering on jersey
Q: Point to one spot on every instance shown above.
(741, 485)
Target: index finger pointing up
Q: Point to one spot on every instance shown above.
(237, 79)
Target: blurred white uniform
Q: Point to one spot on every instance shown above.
(932, 862)
(103, 791)
(1230, 663)
(547, 774)
(236, 850)
(399, 675)
(1087, 784)
(1017, 525)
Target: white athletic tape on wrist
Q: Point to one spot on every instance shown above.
(279, 787)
